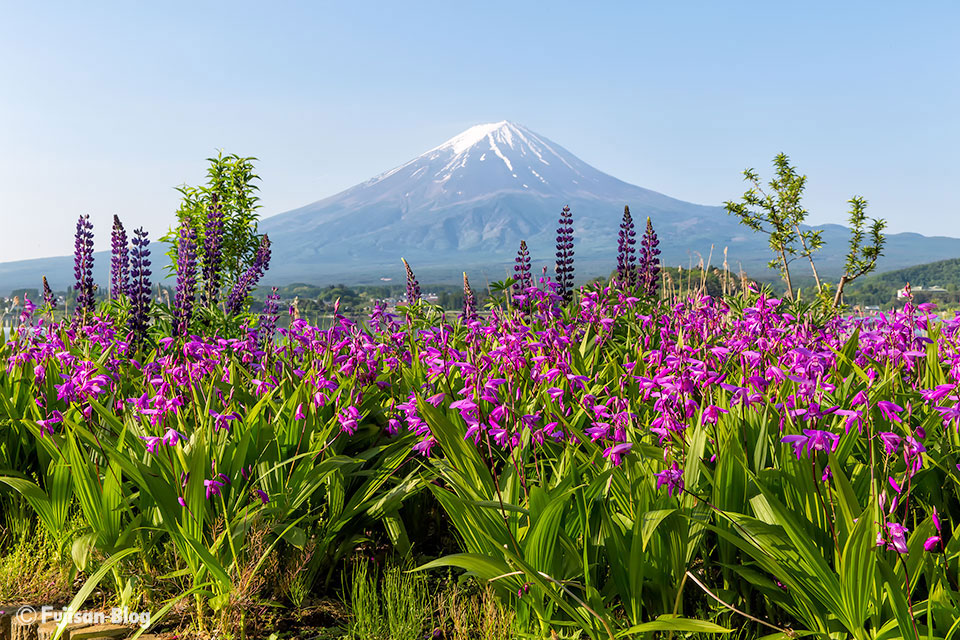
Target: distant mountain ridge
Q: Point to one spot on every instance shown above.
(466, 204)
(941, 273)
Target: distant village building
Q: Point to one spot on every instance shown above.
(920, 291)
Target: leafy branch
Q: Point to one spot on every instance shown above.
(862, 259)
(778, 214)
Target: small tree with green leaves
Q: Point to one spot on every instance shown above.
(862, 259)
(231, 187)
(779, 214)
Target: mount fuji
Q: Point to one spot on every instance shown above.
(467, 203)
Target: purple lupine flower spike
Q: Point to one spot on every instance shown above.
(469, 301)
(523, 280)
(413, 285)
(648, 266)
(268, 320)
(119, 260)
(212, 252)
(649, 262)
(186, 278)
(249, 279)
(626, 253)
(140, 287)
(48, 298)
(83, 267)
(565, 255)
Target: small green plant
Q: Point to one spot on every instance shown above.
(367, 622)
(397, 607)
(406, 598)
(300, 574)
(32, 567)
(475, 614)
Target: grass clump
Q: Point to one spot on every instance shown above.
(33, 569)
(395, 606)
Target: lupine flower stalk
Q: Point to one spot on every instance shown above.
(248, 279)
(83, 267)
(523, 280)
(140, 287)
(648, 266)
(186, 278)
(48, 298)
(268, 319)
(626, 253)
(469, 301)
(212, 253)
(565, 255)
(413, 285)
(119, 260)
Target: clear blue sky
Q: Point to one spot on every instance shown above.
(106, 107)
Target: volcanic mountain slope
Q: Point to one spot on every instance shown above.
(469, 202)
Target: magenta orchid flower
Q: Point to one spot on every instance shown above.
(811, 441)
(616, 452)
(896, 539)
(46, 425)
(891, 442)
(890, 410)
(212, 487)
(672, 478)
(349, 419)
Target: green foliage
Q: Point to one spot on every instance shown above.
(33, 567)
(366, 607)
(473, 614)
(231, 185)
(406, 599)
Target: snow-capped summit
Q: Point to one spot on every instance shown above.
(503, 140)
(473, 135)
(491, 157)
